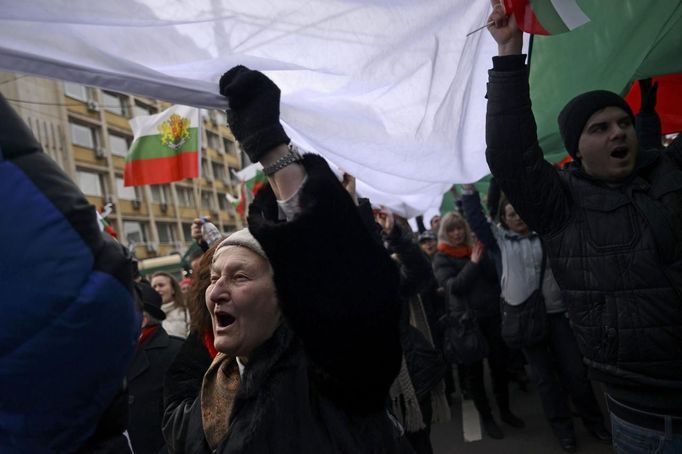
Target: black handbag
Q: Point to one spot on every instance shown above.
(525, 324)
(463, 342)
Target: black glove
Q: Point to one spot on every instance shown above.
(648, 96)
(254, 111)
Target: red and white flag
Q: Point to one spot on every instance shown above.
(546, 17)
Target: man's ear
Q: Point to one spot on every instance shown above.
(578, 155)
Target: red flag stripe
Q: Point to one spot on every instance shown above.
(161, 170)
(668, 101)
(525, 17)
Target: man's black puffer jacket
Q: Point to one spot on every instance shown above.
(616, 252)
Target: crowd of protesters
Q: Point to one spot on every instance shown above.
(327, 326)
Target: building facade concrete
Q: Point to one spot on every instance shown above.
(86, 131)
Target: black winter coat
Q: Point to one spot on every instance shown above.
(616, 252)
(320, 384)
(181, 387)
(145, 390)
(465, 282)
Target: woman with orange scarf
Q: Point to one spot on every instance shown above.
(470, 280)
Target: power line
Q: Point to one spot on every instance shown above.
(60, 104)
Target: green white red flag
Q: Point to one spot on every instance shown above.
(252, 180)
(546, 17)
(166, 147)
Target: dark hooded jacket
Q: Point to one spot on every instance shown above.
(616, 251)
(320, 383)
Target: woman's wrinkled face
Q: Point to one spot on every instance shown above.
(242, 301)
(163, 286)
(457, 235)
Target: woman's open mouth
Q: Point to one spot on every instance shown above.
(223, 319)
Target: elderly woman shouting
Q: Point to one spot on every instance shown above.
(304, 309)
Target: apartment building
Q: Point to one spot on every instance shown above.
(86, 131)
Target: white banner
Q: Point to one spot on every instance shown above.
(390, 91)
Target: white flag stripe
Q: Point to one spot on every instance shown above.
(147, 125)
(570, 13)
(248, 172)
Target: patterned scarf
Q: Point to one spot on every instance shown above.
(218, 391)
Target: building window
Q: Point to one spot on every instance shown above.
(221, 119)
(230, 147)
(187, 232)
(115, 103)
(207, 200)
(125, 192)
(140, 109)
(166, 232)
(76, 91)
(119, 145)
(160, 193)
(218, 171)
(134, 232)
(185, 196)
(84, 136)
(213, 140)
(91, 183)
(204, 169)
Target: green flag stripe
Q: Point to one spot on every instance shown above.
(148, 147)
(259, 178)
(548, 17)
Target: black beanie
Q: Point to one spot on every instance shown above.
(575, 114)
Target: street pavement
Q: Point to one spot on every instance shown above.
(451, 437)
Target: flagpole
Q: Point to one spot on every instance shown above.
(480, 28)
(197, 197)
(197, 181)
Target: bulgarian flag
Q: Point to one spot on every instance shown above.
(625, 40)
(252, 180)
(103, 218)
(546, 17)
(166, 147)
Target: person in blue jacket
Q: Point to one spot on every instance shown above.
(69, 324)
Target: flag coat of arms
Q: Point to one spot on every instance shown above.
(166, 147)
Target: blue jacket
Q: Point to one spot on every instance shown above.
(68, 326)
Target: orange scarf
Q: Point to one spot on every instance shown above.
(455, 251)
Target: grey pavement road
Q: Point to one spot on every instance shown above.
(536, 437)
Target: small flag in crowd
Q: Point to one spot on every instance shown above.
(252, 180)
(166, 147)
(103, 218)
(546, 17)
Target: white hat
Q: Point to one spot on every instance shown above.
(241, 238)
